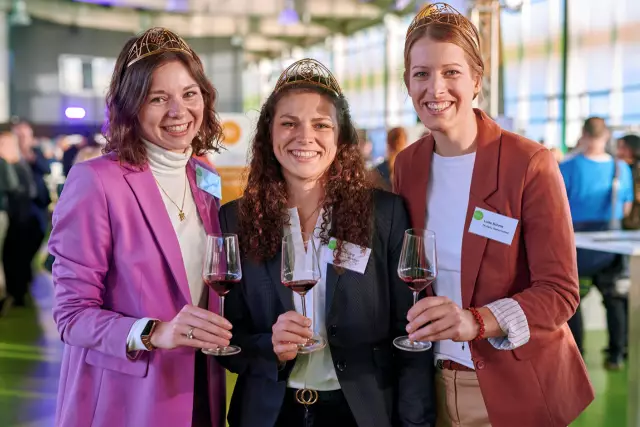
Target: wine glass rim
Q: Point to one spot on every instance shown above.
(223, 235)
(420, 232)
(302, 233)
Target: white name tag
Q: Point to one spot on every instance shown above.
(493, 226)
(353, 257)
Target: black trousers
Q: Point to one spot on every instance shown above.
(331, 410)
(24, 237)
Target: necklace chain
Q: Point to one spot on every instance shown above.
(181, 214)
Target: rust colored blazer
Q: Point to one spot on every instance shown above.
(544, 383)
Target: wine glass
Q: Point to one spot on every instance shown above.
(221, 271)
(300, 271)
(417, 268)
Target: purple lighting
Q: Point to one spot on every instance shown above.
(75, 113)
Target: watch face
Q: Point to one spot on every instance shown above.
(147, 329)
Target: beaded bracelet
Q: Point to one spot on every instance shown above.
(478, 317)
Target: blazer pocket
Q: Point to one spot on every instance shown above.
(137, 367)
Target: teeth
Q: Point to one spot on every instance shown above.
(438, 106)
(304, 154)
(177, 129)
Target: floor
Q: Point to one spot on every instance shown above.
(30, 361)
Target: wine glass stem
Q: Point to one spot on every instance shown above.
(222, 313)
(304, 306)
(415, 299)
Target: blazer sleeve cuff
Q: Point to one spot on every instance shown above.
(513, 322)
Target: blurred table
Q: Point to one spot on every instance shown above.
(626, 243)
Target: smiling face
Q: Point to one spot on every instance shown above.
(171, 114)
(441, 83)
(304, 135)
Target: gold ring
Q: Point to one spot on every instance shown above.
(306, 396)
(190, 333)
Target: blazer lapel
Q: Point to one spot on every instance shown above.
(148, 195)
(420, 177)
(484, 183)
(206, 203)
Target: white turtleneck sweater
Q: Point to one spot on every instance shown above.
(170, 172)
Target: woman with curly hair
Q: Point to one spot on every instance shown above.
(129, 235)
(307, 175)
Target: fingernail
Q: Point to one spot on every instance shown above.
(409, 328)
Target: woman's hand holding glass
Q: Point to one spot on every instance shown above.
(290, 332)
(439, 318)
(192, 327)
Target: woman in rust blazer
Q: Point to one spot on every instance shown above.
(507, 280)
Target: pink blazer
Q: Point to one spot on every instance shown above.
(118, 260)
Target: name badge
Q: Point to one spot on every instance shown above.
(209, 182)
(493, 226)
(354, 257)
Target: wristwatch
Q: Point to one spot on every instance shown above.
(145, 336)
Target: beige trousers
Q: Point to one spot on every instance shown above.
(460, 402)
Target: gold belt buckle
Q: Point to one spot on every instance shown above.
(306, 396)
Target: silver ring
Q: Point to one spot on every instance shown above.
(190, 333)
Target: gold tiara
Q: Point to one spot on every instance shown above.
(308, 71)
(442, 13)
(154, 41)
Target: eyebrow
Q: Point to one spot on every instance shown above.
(160, 91)
(452, 64)
(314, 119)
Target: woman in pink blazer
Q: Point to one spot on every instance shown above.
(129, 236)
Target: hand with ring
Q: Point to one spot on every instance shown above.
(192, 327)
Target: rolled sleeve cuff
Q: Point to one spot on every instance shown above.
(512, 321)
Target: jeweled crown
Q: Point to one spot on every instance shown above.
(155, 41)
(308, 71)
(442, 13)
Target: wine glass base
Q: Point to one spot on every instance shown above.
(222, 351)
(404, 343)
(314, 343)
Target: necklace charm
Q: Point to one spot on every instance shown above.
(182, 216)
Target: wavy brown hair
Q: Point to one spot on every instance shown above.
(348, 192)
(128, 91)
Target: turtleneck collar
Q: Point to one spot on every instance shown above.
(164, 162)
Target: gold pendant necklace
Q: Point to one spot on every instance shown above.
(181, 213)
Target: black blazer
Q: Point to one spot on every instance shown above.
(384, 387)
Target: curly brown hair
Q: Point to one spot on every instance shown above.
(128, 91)
(348, 191)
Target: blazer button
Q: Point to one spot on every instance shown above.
(480, 364)
(341, 365)
(333, 330)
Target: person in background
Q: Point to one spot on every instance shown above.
(628, 150)
(129, 240)
(28, 215)
(307, 175)
(507, 280)
(9, 184)
(396, 142)
(600, 192)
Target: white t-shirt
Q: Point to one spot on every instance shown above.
(448, 198)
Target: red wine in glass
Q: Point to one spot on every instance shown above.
(221, 284)
(418, 269)
(417, 278)
(300, 287)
